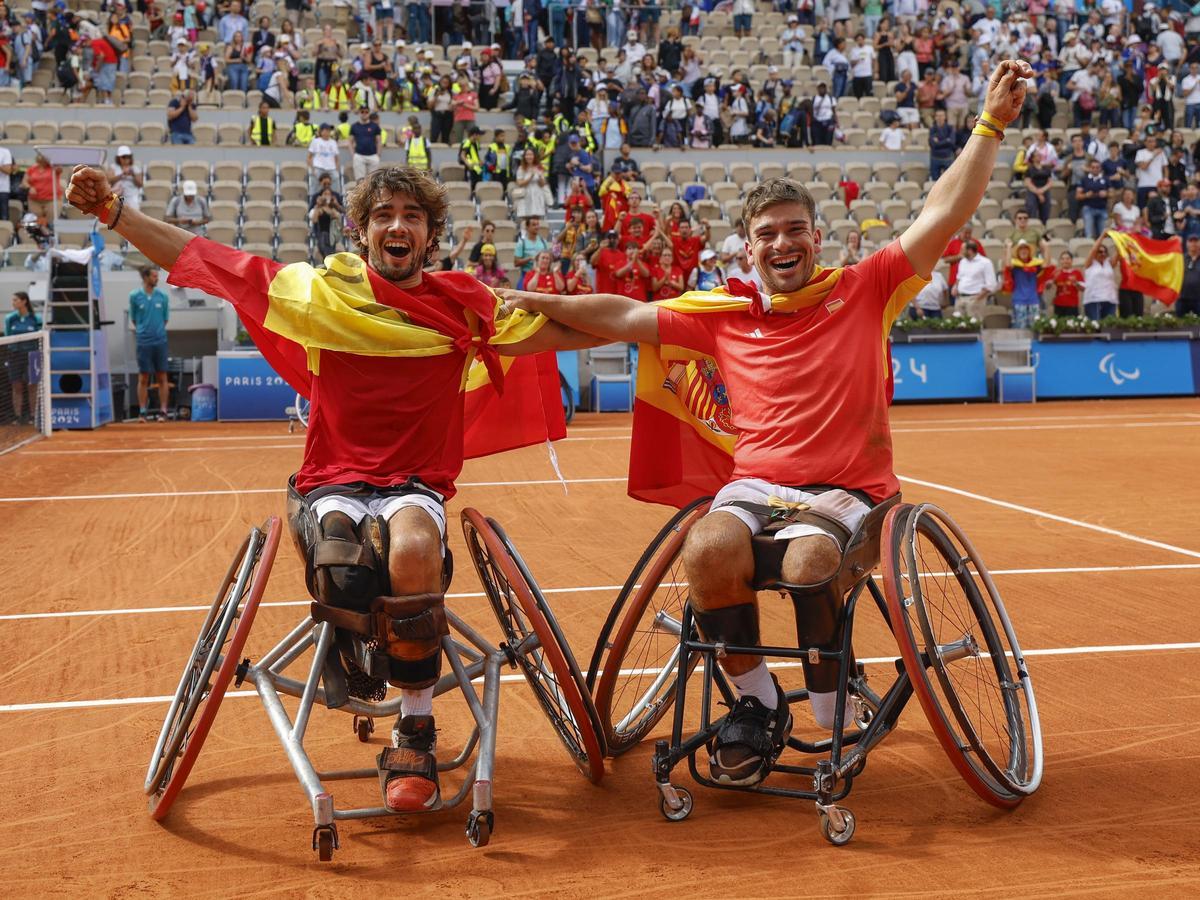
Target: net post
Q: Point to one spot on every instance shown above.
(45, 383)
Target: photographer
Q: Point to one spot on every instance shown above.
(127, 178)
(181, 113)
(326, 218)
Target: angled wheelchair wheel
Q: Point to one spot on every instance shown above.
(634, 663)
(961, 654)
(302, 407)
(535, 642)
(212, 664)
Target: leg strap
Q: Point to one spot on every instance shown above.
(736, 625)
(407, 630)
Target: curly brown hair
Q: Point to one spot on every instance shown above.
(772, 192)
(389, 180)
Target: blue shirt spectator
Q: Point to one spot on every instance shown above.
(18, 323)
(231, 22)
(366, 138)
(149, 314)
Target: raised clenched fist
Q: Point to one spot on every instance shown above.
(1006, 90)
(88, 189)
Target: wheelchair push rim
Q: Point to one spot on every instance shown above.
(302, 410)
(636, 657)
(202, 686)
(949, 619)
(550, 667)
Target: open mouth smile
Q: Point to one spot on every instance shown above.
(396, 251)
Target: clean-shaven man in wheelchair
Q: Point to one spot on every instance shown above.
(808, 376)
(385, 438)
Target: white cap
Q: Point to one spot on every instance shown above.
(285, 39)
(123, 150)
(189, 189)
(467, 45)
(400, 42)
(631, 35)
(706, 255)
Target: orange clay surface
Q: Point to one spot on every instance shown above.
(158, 510)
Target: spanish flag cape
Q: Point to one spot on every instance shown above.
(683, 433)
(1154, 267)
(509, 401)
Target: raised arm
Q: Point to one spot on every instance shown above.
(607, 316)
(90, 192)
(957, 194)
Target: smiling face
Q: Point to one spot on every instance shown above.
(783, 243)
(397, 237)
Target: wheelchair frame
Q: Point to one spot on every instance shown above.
(470, 655)
(534, 643)
(898, 527)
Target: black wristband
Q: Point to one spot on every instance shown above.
(112, 226)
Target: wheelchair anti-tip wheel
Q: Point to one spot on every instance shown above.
(961, 654)
(213, 662)
(633, 666)
(535, 643)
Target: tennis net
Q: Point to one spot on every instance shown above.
(24, 403)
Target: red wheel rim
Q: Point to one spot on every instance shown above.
(912, 662)
(628, 627)
(160, 803)
(592, 767)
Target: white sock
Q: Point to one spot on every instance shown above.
(822, 708)
(757, 683)
(416, 703)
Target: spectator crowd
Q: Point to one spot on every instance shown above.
(1108, 133)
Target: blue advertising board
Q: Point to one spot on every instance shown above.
(1113, 368)
(939, 371)
(249, 390)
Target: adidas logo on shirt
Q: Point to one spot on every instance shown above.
(756, 333)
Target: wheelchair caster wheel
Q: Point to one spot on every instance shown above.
(677, 814)
(364, 727)
(325, 841)
(830, 833)
(479, 827)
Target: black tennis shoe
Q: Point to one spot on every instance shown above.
(750, 740)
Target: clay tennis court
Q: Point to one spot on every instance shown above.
(1088, 515)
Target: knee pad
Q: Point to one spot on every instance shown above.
(410, 631)
(736, 625)
(347, 564)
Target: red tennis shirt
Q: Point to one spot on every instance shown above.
(374, 419)
(808, 389)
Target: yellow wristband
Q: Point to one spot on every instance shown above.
(987, 131)
(989, 119)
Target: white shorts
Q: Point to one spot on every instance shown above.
(837, 504)
(383, 505)
(908, 115)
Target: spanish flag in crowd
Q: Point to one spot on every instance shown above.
(1153, 267)
(683, 434)
(509, 402)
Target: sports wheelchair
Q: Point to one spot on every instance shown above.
(532, 642)
(958, 654)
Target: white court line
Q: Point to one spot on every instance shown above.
(878, 660)
(1042, 514)
(1190, 423)
(222, 493)
(589, 589)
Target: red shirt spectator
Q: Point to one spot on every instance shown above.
(606, 261)
(103, 53)
(631, 278)
(687, 247)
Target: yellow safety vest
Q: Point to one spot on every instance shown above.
(560, 124)
(470, 152)
(505, 152)
(589, 140)
(256, 135)
(343, 130)
(383, 138)
(309, 100)
(417, 149)
(304, 133)
(337, 99)
(549, 155)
